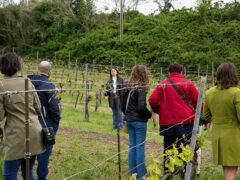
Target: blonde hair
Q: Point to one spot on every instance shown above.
(139, 77)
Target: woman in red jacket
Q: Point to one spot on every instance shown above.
(175, 116)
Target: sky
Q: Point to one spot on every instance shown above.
(145, 6)
(148, 6)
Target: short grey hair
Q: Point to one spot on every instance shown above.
(45, 66)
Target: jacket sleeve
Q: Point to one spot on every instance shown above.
(123, 98)
(53, 104)
(142, 105)
(2, 110)
(108, 87)
(36, 101)
(237, 104)
(154, 100)
(206, 111)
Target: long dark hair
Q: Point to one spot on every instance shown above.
(118, 77)
(139, 77)
(226, 76)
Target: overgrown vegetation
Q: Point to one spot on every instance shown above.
(209, 32)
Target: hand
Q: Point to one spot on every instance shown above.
(207, 126)
(103, 91)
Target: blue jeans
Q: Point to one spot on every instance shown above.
(43, 159)
(136, 156)
(114, 110)
(11, 168)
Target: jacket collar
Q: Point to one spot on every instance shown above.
(175, 74)
(43, 76)
(16, 75)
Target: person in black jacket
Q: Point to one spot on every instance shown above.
(49, 109)
(134, 107)
(113, 85)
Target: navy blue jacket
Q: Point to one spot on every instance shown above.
(50, 108)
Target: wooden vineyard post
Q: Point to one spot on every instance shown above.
(37, 59)
(96, 107)
(118, 136)
(27, 140)
(161, 75)
(196, 125)
(199, 71)
(69, 59)
(21, 62)
(76, 72)
(86, 90)
(185, 72)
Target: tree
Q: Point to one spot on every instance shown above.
(164, 5)
(127, 5)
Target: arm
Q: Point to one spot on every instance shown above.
(36, 101)
(142, 105)
(237, 104)
(108, 87)
(123, 98)
(206, 111)
(53, 105)
(2, 110)
(154, 100)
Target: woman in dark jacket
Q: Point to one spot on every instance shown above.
(115, 82)
(134, 107)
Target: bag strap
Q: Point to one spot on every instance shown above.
(181, 95)
(128, 98)
(41, 114)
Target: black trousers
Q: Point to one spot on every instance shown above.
(177, 140)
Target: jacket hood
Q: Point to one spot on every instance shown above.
(37, 80)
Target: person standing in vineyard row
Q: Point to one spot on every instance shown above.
(50, 112)
(222, 108)
(12, 109)
(176, 117)
(134, 107)
(115, 82)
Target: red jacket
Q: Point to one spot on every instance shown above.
(168, 104)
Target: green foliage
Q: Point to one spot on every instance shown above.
(154, 169)
(200, 140)
(176, 159)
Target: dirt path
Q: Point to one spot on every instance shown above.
(151, 146)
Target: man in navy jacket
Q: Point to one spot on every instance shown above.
(49, 109)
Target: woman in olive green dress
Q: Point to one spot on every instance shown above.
(222, 108)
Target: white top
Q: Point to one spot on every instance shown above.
(114, 84)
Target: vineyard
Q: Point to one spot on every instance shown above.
(87, 147)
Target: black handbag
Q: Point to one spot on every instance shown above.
(47, 133)
(48, 136)
(201, 120)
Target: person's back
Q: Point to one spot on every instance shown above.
(222, 108)
(172, 109)
(222, 103)
(50, 112)
(12, 107)
(175, 115)
(49, 103)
